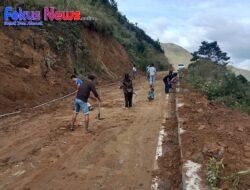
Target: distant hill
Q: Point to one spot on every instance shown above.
(237, 71)
(176, 54)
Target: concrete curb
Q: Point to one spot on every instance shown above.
(156, 181)
(179, 139)
(190, 178)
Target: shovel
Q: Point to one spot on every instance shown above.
(99, 110)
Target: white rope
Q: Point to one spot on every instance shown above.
(9, 114)
(57, 99)
(46, 103)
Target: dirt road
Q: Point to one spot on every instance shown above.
(38, 152)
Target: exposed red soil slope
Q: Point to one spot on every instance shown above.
(26, 79)
(107, 51)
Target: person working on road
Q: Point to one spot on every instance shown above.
(81, 101)
(167, 81)
(174, 80)
(151, 93)
(170, 80)
(127, 86)
(134, 71)
(152, 73)
(78, 81)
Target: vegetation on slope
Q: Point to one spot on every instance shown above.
(108, 22)
(209, 73)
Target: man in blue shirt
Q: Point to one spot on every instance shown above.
(78, 81)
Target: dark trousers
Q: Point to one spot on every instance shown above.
(167, 88)
(128, 99)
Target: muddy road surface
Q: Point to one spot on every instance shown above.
(37, 151)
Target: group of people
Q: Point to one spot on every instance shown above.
(127, 85)
(84, 89)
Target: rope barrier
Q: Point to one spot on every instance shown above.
(46, 103)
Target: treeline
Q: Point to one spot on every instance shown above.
(142, 48)
(140, 34)
(210, 74)
(109, 22)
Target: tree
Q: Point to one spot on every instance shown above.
(141, 48)
(212, 52)
(114, 5)
(242, 79)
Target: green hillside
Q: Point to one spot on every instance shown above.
(214, 78)
(109, 22)
(176, 54)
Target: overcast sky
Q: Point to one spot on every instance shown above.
(188, 22)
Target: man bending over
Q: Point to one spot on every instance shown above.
(81, 101)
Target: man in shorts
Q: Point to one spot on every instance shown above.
(81, 101)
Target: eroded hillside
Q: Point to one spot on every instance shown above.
(36, 62)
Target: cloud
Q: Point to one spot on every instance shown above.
(187, 23)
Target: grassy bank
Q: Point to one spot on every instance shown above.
(220, 84)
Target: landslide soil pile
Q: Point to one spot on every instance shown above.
(36, 62)
(212, 130)
(32, 72)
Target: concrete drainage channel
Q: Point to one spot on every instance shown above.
(189, 169)
(167, 170)
(171, 170)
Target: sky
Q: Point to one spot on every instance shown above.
(189, 22)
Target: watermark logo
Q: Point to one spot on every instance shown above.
(20, 17)
(50, 15)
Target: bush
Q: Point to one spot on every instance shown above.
(212, 89)
(220, 84)
(60, 43)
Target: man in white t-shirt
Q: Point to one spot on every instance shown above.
(134, 72)
(152, 73)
